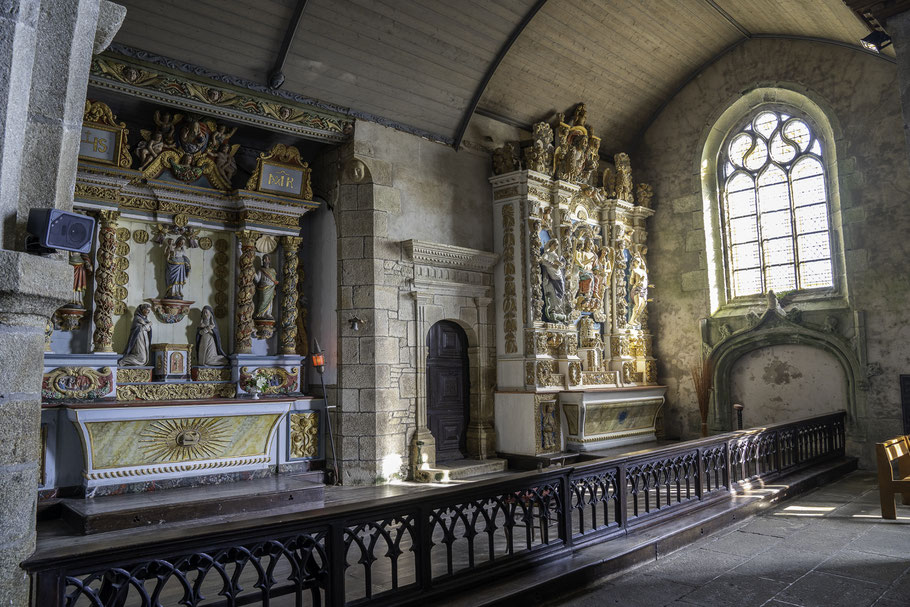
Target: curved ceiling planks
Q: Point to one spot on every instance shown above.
(625, 59)
(421, 63)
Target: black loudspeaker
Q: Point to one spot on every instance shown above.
(55, 229)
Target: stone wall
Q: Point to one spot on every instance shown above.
(859, 95)
(392, 187)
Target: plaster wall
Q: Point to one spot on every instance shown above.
(860, 97)
(777, 384)
(319, 256)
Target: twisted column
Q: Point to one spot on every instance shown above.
(105, 285)
(288, 339)
(243, 328)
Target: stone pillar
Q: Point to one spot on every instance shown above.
(288, 338)
(481, 438)
(45, 50)
(425, 452)
(243, 328)
(105, 300)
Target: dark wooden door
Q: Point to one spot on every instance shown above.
(448, 389)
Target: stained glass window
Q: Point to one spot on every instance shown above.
(775, 206)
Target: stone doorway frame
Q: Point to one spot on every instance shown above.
(455, 284)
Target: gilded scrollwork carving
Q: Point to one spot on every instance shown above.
(303, 435)
(509, 305)
(77, 383)
(105, 282)
(176, 391)
(539, 156)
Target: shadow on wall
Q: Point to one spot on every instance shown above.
(319, 260)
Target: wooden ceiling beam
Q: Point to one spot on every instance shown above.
(276, 76)
(478, 93)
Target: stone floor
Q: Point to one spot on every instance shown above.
(827, 548)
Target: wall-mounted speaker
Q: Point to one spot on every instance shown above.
(56, 229)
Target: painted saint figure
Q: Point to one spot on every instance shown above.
(554, 280)
(209, 352)
(82, 267)
(266, 281)
(177, 268)
(137, 348)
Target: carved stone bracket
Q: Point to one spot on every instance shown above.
(170, 311)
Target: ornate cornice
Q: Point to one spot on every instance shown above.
(180, 69)
(449, 256)
(132, 72)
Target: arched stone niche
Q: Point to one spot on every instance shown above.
(778, 327)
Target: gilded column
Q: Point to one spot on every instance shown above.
(288, 342)
(105, 285)
(243, 330)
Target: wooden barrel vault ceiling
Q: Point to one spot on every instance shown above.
(428, 65)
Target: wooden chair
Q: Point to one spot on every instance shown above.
(886, 453)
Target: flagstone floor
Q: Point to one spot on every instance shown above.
(827, 548)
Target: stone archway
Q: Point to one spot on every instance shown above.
(775, 327)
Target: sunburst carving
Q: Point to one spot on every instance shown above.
(179, 440)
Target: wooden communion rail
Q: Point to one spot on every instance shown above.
(432, 543)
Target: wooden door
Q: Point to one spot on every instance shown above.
(448, 389)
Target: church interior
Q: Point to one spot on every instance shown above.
(388, 302)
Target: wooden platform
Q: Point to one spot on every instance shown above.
(110, 513)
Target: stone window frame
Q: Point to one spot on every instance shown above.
(828, 131)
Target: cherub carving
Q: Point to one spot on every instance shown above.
(148, 149)
(225, 163)
(167, 125)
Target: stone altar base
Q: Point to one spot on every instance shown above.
(536, 424)
(147, 442)
(601, 419)
(303, 492)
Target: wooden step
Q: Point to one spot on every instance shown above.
(110, 513)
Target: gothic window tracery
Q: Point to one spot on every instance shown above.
(774, 205)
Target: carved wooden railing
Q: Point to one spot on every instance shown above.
(394, 550)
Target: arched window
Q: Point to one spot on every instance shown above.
(774, 205)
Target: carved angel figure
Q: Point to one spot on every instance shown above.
(623, 188)
(137, 348)
(167, 125)
(225, 163)
(148, 149)
(539, 157)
